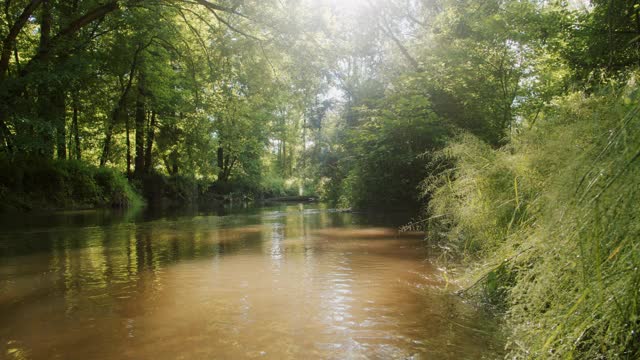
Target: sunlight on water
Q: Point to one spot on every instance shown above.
(280, 283)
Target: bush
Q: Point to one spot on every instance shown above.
(273, 186)
(115, 189)
(176, 191)
(81, 182)
(29, 183)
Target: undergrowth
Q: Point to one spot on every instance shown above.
(551, 224)
(38, 184)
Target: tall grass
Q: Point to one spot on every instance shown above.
(553, 220)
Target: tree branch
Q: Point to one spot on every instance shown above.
(9, 41)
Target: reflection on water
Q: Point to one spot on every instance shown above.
(275, 283)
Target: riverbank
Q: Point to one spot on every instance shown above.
(34, 184)
(549, 223)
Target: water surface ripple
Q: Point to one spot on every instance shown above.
(276, 283)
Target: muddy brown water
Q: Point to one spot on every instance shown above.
(288, 282)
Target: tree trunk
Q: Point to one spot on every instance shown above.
(304, 141)
(227, 170)
(106, 148)
(140, 120)
(58, 113)
(172, 164)
(225, 163)
(128, 131)
(5, 134)
(228, 164)
(44, 133)
(221, 158)
(51, 96)
(284, 157)
(150, 137)
(76, 131)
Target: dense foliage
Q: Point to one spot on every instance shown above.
(198, 89)
(36, 184)
(547, 215)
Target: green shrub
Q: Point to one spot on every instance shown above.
(115, 189)
(80, 182)
(34, 183)
(182, 189)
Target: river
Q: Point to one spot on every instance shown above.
(284, 282)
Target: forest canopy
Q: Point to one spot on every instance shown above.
(346, 99)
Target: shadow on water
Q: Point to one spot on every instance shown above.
(277, 282)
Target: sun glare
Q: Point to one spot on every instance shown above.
(347, 5)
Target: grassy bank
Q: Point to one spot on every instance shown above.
(550, 224)
(34, 184)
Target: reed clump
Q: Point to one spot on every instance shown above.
(552, 223)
